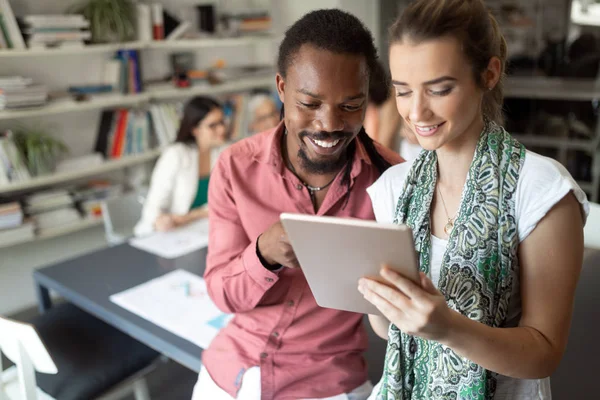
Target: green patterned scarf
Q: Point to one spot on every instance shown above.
(477, 270)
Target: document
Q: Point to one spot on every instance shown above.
(175, 243)
(177, 302)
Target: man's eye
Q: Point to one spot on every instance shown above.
(309, 105)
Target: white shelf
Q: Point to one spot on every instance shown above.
(210, 42)
(156, 92)
(551, 88)
(163, 92)
(68, 105)
(85, 223)
(72, 50)
(140, 45)
(62, 177)
(544, 141)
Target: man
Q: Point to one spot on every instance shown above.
(318, 160)
(263, 113)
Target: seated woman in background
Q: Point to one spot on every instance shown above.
(179, 185)
(498, 229)
(263, 113)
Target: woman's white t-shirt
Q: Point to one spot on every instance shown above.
(543, 182)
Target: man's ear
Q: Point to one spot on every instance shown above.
(280, 86)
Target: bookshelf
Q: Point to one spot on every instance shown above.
(85, 223)
(552, 88)
(544, 88)
(153, 93)
(180, 44)
(80, 64)
(95, 170)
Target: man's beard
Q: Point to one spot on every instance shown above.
(325, 166)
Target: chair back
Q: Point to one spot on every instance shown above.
(120, 215)
(22, 345)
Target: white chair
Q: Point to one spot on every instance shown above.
(591, 233)
(120, 214)
(69, 354)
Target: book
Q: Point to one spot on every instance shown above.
(11, 25)
(178, 32)
(158, 30)
(144, 23)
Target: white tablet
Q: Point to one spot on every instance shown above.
(334, 253)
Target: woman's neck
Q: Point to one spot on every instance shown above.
(204, 161)
(455, 158)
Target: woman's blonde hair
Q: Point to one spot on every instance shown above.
(476, 29)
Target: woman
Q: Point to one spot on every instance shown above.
(179, 186)
(498, 229)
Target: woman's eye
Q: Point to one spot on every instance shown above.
(443, 92)
(402, 94)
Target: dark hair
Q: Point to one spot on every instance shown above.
(342, 33)
(194, 111)
(471, 23)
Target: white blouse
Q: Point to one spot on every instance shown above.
(543, 182)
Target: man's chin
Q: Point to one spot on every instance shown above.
(320, 164)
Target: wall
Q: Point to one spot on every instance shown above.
(79, 129)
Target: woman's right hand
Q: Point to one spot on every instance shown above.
(164, 222)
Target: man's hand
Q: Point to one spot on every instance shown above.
(275, 247)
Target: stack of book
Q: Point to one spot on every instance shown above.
(42, 31)
(250, 22)
(51, 210)
(12, 163)
(12, 227)
(19, 92)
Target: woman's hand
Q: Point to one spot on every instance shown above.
(415, 310)
(165, 222)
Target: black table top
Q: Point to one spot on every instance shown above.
(88, 282)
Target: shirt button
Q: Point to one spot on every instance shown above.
(413, 346)
(269, 280)
(275, 334)
(290, 303)
(299, 187)
(263, 355)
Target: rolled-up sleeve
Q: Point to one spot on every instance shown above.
(235, 278)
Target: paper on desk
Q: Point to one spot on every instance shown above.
(175, 243)
(166, 302)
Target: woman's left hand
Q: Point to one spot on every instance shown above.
(416, 310)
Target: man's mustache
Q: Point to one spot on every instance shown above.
(326, 135)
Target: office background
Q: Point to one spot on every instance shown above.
(549, 112)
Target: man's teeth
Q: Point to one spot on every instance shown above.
(325, 144)
(427, 128)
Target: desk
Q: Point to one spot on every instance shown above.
(88, 281)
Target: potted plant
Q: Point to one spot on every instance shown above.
(110, 20)
(40, 150)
